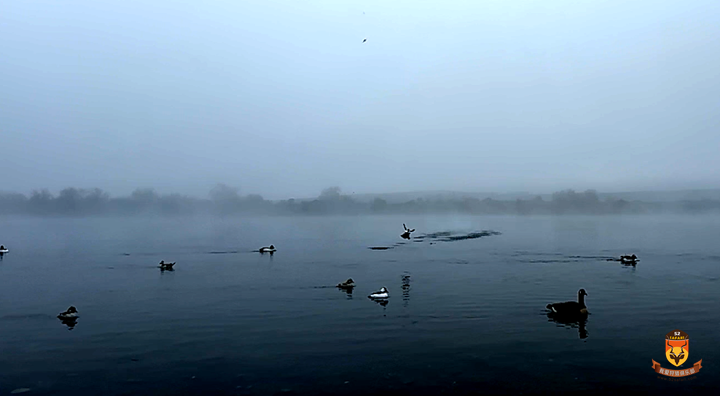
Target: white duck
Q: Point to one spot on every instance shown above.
(380, 294)
(71, 313)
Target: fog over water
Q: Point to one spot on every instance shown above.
(283, 99)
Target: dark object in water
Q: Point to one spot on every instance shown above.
(348, 284)
(268, 249)
(166, 266)
(406, 234)
(380, 247)
(578, 322)
(71, 313)
(570, 308)
(381, 302)
(69, 317)
(629, 259)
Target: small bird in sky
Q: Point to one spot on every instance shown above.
(364, 40)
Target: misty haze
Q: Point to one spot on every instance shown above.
(343, 197)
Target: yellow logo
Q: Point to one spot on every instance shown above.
(677, 347)
(677, 351)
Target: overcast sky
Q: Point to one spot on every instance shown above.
(282, 98)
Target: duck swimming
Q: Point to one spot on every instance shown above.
(267, 249)
(628, 259)
(71, 313)
(570, 307)
(348, 284)
(3, 249)
(380, 294)
(166, 266)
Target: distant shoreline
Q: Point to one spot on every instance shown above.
(225, 201)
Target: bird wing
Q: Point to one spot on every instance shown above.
(564, 306)
(404, 227)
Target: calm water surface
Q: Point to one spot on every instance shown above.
(469, 319)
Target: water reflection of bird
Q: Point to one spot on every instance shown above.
(382, 302)
(577, 321)
(348, 292)
(70, 323)
(405, 289)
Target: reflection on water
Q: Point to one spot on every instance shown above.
(70, 322)
(578, 322)
(231, 324)
(348, 292)
(405, 289)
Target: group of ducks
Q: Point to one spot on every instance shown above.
(567, 308)
(564, 311)
(271, 249)
(169, 266)
(381, 294)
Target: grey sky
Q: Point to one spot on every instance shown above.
(282, 98)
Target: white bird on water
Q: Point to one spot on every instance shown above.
(380, 294)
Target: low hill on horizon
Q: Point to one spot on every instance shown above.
(646, 196)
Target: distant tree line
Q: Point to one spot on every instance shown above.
(224, 200)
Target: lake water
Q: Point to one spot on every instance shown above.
(470, 319)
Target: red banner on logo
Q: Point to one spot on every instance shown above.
(676, 373)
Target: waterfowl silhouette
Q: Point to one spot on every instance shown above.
(380, 294)
(629, 259)
(348, 284)
(3, 250)
(71, 313)
(267, 249)
(166, 266)
(364, 40)
(407, 232)
(570, 308)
